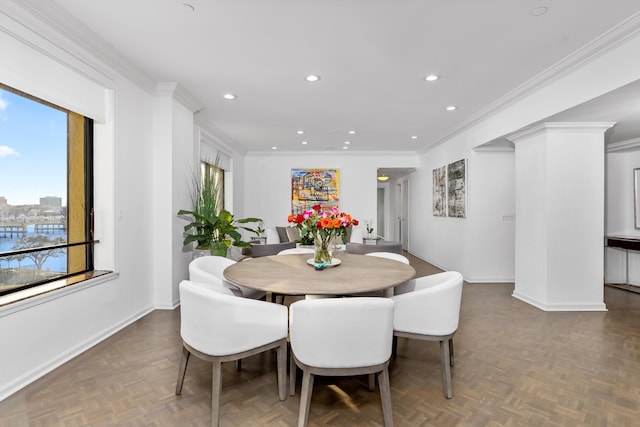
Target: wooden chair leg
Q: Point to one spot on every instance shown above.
(239, 365)
(372, 382)
(446, 368)
(216, 390)
(292, 375)
(182, 369)
(305, 398)
(385, 396)
(282, 371)
(451, 351)
(394, 346)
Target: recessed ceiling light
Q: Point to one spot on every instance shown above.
(351, 132)
(414, 137)
(229, 96)
(347, 142)
(538, 11)
(383, 178)
(300, 132)
(432, 78)
(305, 142)
(312, 78)
(451, 108)
(345, 148)
(274, 148)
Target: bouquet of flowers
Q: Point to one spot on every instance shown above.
(322, 226)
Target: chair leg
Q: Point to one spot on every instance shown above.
(182, 369)
(446, 368)
(305, 398)
(292, 375)
(239, 365)
(451, 351)
(372, 382)
(385, 396)
(282, 371)
(394, 346)
(216, 390)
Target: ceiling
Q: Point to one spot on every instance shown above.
(372, 57)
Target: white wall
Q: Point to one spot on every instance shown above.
(620, 219)
(481, 246)
(46, 331)
(267, 192)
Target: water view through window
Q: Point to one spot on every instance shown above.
(33, 190)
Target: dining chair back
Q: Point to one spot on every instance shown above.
(219, 327)
(341, 337)
(205, 268)
(432, 312)
(390, 255)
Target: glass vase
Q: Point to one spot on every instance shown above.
(322, 252)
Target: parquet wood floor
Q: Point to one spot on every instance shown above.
(515, 366)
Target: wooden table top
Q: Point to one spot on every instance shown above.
(292, 275)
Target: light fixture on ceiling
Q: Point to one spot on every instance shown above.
(451, 108)
(383, 178)
(274, 148)
(304, 142)
(414, 136)
(347, 142)
(300, 132)
(351, 132)
(229, 96)
(432, 78)
(312, 78)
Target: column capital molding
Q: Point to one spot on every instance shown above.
(568, 127)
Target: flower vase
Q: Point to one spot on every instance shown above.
(322, 252)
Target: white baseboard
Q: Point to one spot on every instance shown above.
(27, 378)
(560, 307)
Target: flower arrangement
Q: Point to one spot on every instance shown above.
(322, 226)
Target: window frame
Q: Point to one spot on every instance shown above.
(80, 199)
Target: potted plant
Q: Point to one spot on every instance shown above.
(216, 231)
(212, 228)
(259, 231)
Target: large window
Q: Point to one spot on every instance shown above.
(46, 192)
(213, 181)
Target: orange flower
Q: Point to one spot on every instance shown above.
(337, 222)
(326, 223)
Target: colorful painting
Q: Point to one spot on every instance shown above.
(314, 187)
(457, 189)
(440, 191)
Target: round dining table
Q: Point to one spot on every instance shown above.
(296, 275)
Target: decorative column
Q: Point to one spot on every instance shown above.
(559, 170)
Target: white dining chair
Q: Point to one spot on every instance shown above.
(218, 327)
(204, 268)
(293, 251)
(341, 337)
(390, 255)
(432, 312)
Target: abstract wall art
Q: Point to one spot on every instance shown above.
(314, 187)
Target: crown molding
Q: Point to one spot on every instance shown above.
(609, 40)
(180, 94)
(628, 145)
(60, 28)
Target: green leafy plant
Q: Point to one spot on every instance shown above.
(218, 232)
(211, 227)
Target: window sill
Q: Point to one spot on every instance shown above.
(30, 297)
